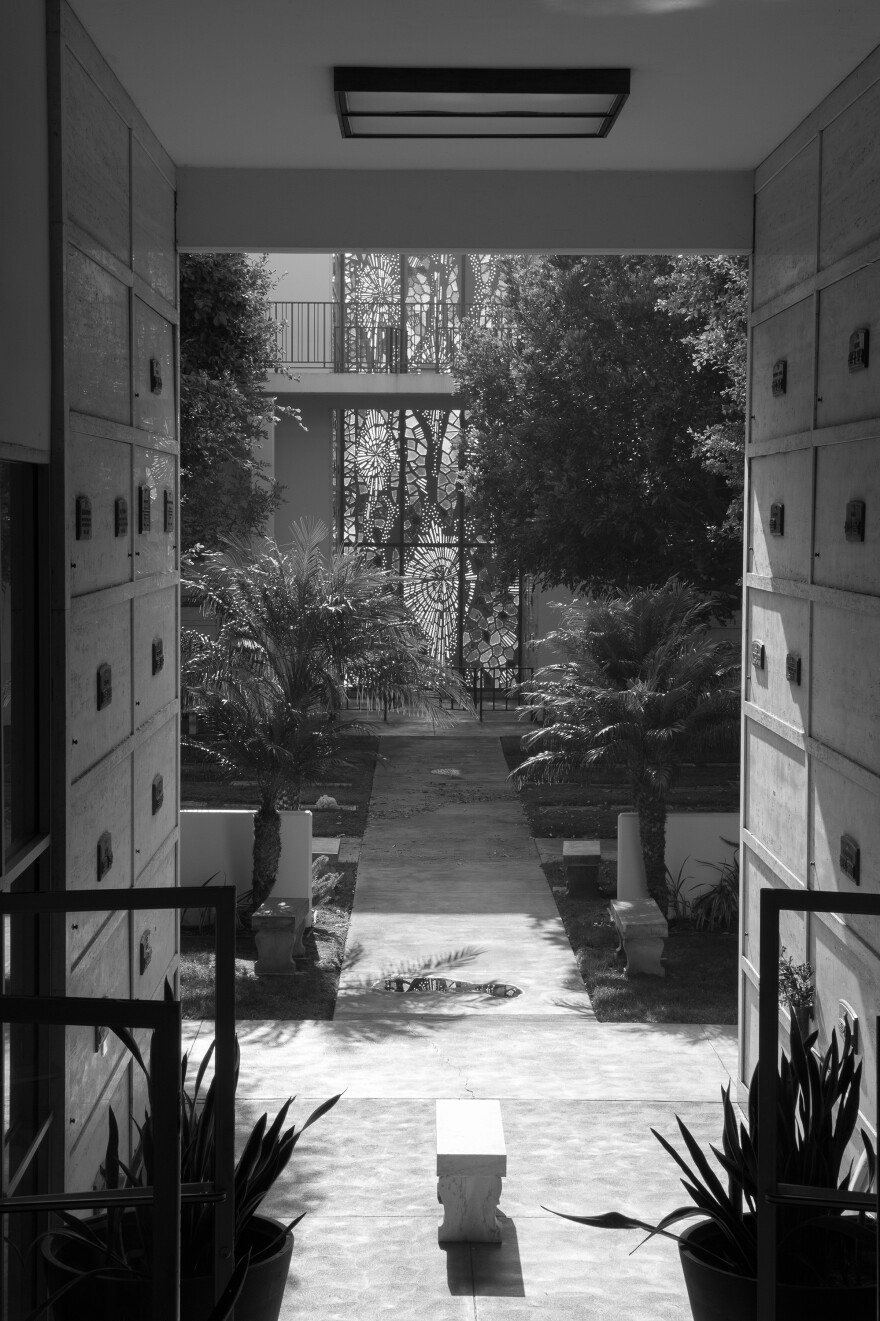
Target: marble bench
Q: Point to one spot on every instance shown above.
(471, 1162)
(279, 926)
(582, 858)
(642, 930)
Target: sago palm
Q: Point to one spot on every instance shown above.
(296, 630)
(645, 685)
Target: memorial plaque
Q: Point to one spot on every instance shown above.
(854, 525)
(777, 520)
(857, 358)
(143, 509)
(83, 518)
(105, 686)
(849, 857)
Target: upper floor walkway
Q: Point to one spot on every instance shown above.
(384, 337)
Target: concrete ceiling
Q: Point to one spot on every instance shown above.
(248, 83)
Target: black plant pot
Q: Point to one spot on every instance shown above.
(104, 1299)
(721, 1295)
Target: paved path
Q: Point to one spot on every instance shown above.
(449, 880)
(444, 869)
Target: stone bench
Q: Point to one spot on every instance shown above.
(471, 1162)
(279, 926)
(582, 858)
(642, 930)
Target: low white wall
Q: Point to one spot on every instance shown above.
(693, 839)
(220, 844)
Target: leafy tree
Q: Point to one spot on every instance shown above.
(296, 630)
(645, 685)
(582, 465)
(227, 347)
(712, 294)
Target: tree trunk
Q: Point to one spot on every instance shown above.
(651, 807)
(267, 852)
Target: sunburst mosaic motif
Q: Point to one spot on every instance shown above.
(400, 469)
(400, 494)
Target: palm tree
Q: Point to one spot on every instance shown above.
(296, 631)
(645, 686)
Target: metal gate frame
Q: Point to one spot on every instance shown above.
(164, 1018)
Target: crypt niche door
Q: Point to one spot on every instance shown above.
(114, 515)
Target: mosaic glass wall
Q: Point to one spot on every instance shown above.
(400, 493)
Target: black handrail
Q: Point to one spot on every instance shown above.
(378, 336)
(164, 1018)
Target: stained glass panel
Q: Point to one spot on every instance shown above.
(371, 476)
(401, 494)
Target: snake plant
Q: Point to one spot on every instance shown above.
(817, 1114)
(119, 1243)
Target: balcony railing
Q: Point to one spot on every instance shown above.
(377, 337)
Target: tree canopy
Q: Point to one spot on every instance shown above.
(592, 411)
(227, 348)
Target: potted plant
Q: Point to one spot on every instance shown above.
(297, 631)
(826, 1257)
(796, 990)
(102, 1267)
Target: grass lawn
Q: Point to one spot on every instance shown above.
(311, 992)
(701, 967)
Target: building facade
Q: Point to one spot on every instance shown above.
(102, 200)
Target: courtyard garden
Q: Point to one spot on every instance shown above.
(701, 966)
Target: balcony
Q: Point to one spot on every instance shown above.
(377, 337)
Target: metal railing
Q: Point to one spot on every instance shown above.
(378, 336)
(493, 690)
(164, 1019)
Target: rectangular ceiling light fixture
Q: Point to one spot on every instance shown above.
(479, 103)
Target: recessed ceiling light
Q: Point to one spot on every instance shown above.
(479, 103)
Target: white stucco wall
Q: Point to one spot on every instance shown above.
(216, 847)
(694, 844)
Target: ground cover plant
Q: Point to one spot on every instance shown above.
(311, 993)
(701, 967)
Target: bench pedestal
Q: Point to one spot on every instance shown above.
(279, 926)
(471, 1160)
(641, 931)
(470, 1205)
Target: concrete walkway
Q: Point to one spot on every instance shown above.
(449, 880)
(447, 865)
